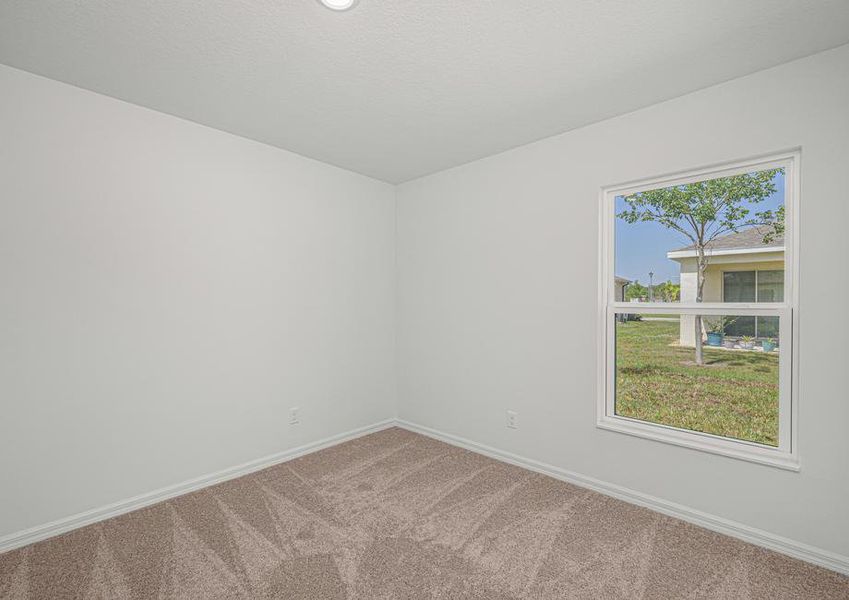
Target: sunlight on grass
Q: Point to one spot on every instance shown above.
(734, 395)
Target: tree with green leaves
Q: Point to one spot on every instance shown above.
(667, 291)
(706, 210)
(636, 291)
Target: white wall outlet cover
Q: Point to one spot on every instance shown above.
(512, 419)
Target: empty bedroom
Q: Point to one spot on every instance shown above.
(436, 299)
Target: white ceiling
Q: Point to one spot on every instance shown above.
(396, 89)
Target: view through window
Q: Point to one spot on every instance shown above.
(698, 319)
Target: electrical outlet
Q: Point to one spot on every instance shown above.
(512, 419)
(294, 415)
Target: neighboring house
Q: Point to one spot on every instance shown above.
(741, 268)
(621, 284)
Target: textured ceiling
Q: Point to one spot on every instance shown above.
(395, 88)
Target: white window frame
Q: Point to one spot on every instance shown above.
(786, 454)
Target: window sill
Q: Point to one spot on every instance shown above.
(704, 442)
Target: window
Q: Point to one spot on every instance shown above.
(753, 286)
(697, 311)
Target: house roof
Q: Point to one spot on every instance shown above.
(752, 238)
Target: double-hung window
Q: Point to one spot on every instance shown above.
(697, 317)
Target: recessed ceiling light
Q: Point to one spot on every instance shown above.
(338, 4)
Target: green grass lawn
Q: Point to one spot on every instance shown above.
(734, 395)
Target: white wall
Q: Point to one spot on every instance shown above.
(168, 292)
(497, 296)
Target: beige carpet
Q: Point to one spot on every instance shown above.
(398, 515)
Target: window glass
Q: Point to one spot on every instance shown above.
(738, 286)
(696, 268)
(734, 394)
(742, 327)
(753, 286)
(695, 306)
(770, 286)
(767, 327)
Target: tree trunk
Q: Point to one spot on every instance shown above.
(700, 284)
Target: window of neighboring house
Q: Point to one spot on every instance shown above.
(753, 286)
(701, 352)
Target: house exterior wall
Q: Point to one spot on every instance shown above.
(763, 261)
(620, 291)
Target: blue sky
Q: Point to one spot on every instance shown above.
(642, 247)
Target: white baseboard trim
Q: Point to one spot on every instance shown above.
(811, 554)
(48, 530)
(805, 552)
